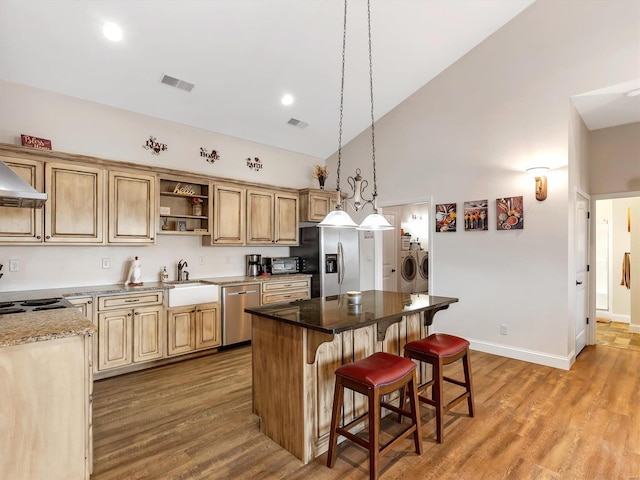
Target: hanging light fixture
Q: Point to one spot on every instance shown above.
(338, 217)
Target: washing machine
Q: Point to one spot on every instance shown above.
(408, 271)
(422, 278)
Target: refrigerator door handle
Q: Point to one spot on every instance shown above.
(340, 264)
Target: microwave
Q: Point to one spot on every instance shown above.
(283, 265)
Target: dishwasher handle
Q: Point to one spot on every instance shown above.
(243, 292)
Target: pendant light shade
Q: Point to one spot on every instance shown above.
(375, 221)
(338, 218)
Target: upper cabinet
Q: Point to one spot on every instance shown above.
(316, 204)
(74, 209)
(23, 225)
(272, 217)
(132, 203)
(228, 213)
(184, 207)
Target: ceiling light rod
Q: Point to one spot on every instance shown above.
(338, 217)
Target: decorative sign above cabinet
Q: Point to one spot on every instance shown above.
(209, 157)
(155, 146)
(254, 164)
(35, 142)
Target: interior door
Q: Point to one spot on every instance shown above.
(390, 255)
(582, 277)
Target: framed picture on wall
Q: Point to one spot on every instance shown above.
(182, 225)
(476, 215)
(446, 217)
(509, 213)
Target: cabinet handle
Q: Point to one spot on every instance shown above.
(136, 313)
(38, 237)
(47, 237)
(90, 302)
(132, 300)
(129, 314)
(193, 311)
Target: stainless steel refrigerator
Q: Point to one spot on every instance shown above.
(332, 257)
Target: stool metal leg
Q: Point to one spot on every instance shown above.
(338, 395)
(374, 435)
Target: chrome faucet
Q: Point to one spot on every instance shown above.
(181, 265)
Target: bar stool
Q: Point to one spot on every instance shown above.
(377, 375)
(440, 349)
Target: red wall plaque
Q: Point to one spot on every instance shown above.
(35, 142)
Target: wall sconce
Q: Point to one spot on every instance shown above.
(540, 174)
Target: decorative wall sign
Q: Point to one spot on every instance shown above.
(184, 190)
(35, 142)
(209, 157)
(509, 213)
(254, 164)
(446, 217)
(155, 146)
(475, 215)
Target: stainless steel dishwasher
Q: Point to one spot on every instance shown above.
(236, 324)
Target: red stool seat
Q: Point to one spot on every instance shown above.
(438, 345)
(438, 350)
(379, 369)
(375, 376)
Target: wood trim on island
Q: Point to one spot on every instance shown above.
(296, 352)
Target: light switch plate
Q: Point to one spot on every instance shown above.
(106, 263)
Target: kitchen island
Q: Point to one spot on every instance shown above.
(297, 347)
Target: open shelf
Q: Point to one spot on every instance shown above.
(180, 219)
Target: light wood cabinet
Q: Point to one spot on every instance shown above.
(45, 426)
(128, 334)
(132, 201)
(272, 218)
(192, 328)
(23, 224)
(286, 290)
(316, 204)
(228, 216)
(74, 211)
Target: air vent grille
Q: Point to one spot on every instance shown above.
(177, 83)
(297, 123)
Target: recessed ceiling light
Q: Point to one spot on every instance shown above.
(634, 93)
(112, 31)
(287, 99)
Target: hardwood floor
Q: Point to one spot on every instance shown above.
(616, 334)
(193, 420)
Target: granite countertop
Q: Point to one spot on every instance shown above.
(241, 280)
(333, 314)
(30, 327)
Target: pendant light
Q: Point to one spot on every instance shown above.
(338, 217)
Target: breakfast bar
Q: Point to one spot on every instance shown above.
(297, 347)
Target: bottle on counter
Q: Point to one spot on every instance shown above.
(164, 275)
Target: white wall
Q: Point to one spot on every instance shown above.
(470, 133)
(619, 145)
(82, 127)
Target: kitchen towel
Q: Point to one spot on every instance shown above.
(626, 271)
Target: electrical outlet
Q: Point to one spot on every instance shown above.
(14, 265)
(106, 263)
(503, 329)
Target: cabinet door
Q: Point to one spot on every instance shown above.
(229, 216)
(286, 219)
(23, 224)
(147, 334)
(260, 217)
(208, 326)
(74, 209)
(131, 208)
(320, 206)
(181, 331)
(115, 334)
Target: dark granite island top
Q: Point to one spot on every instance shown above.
(334, 315)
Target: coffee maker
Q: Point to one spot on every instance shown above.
(254, 265)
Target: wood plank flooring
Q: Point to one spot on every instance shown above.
(193, 420)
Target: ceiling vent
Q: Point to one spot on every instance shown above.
(297, 123)
(177, 83)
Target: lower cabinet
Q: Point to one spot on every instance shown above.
(192, 328)
(132, 334)
(278, 291)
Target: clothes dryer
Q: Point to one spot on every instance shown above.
(408, 271)
(422, 278)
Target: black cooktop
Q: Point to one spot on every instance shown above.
(21, 306)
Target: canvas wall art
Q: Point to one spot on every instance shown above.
(509, 213)
(476, 215)
(446, 217)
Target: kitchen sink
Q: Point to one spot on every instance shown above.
(191, 292)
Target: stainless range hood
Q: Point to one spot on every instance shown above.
(15, 192)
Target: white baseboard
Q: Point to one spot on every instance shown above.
(603, 314)
(555, 361)
(634, 328)
(621, 318)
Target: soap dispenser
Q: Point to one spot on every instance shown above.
(164, 275)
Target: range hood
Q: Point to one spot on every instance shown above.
(15, 192)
